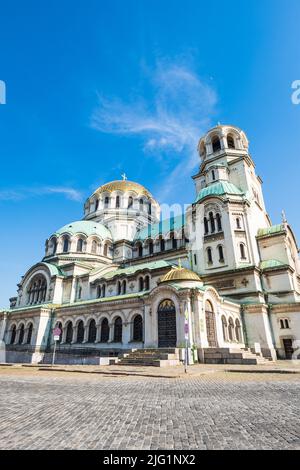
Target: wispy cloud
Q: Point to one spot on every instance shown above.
(25, 193)
(169, 123)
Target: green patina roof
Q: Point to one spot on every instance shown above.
(219, 189)
(85, 227)
(54, 270)
(30, 307)
(138, 267)
(271, 230)
(162, 227)
(271, 263)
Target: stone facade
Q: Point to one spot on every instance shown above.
(121, 278)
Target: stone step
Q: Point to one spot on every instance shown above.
(153, 363)
(232, 356)
(152, 357)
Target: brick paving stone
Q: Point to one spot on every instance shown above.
(216, 411)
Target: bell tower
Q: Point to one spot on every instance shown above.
(229, 206)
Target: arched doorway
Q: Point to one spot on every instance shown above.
(210, 325)
(166, 320)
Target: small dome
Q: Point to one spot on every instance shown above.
(180, 274)
(85, 227)
(124, 185)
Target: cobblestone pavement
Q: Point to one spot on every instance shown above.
(42, 410)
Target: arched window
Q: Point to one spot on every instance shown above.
(162, 244)
(66, 244)
(147, 283)
(230, 142)
(80, 332)
(98, 291)
(202, 150)
(137, 328)
(80, 245)
(238, 331)
(105, 249)
(106, 202)
(79, 292)
(149, 208)
(221, 254)
(242, 251)
(54, 246)
(206, 230)
(141, 284)
(94, 247)
(29, 333)
(119, 288)
(117, 202)
(141, 202)
(96, 204)
(104, 337)
(209, 256)
(213, 176)
(21, 334)
(92, 331)
(238, 222)
(219, 223)
(281, 324)
(69, 334)
(212, 222)
(118, 330)
(124, 285)
(150, 244)
(37, 290)
(130, 202)
(286, 323)
(13, 334)
(230, 329)
(216, 144)
(103, 290)
(224, 327)
(140, 249)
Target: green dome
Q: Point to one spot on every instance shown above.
(219, 189)
(85, 227)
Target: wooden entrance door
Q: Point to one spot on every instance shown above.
(210, 325)
(288, 348)
(166, 320)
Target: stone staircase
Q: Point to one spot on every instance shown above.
(233, 356)
(162, 357)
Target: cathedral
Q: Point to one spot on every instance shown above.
(218, 277)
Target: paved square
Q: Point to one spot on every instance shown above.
(52, 410)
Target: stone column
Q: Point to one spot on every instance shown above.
(86, 334)
(3, 326)
(111, 332)
(126, 332)
(63, 336)
(74, 337)
(98, 335)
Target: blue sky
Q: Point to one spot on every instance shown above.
(95, 88)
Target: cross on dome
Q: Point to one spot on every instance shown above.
(124, 177)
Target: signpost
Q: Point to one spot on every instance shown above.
(56, 336)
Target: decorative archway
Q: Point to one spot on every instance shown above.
(210, 325)
(166, 322)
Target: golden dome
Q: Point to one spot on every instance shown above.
(124, 185)
(180, 274)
